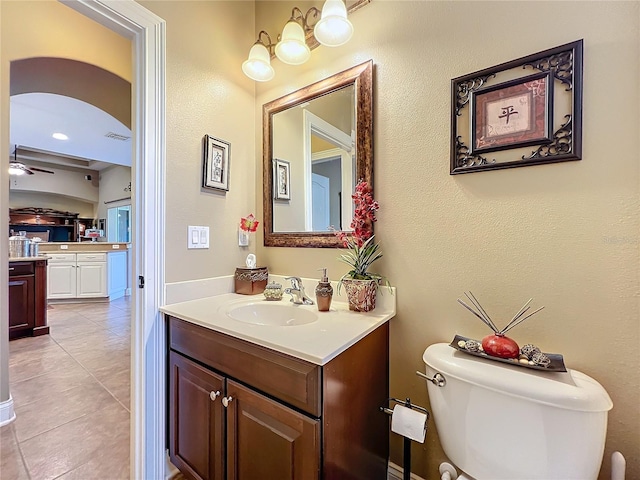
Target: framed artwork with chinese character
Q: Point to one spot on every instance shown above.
(215, 164)
(524, 112)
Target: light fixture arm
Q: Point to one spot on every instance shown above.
(269, 45)
(304, 18)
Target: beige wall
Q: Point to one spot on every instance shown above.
(566, 234)
(114, 182)
(207, 94)
(56, 202)
(71, 183)
(288, 145)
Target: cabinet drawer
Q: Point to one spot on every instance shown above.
(21, 268)
(62, 257)
(92, 257)
(289, 379)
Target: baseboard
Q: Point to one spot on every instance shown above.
(7, 415)
(396, 473)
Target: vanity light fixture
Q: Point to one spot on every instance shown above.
(332, 30)
(258, 66)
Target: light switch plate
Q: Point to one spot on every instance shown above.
(197, 237)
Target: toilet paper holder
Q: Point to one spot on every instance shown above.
(406, 441)
(405, 403)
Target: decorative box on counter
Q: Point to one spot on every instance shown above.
(251, 281)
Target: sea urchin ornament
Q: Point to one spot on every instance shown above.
(498, 345)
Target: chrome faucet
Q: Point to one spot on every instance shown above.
(297, 292)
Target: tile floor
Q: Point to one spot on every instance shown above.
(71, 393)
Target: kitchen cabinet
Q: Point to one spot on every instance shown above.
(238, 410)
(91, 279)
(87, 275)
(117, 267)
(61, 278)
(27, 299)
(49, 224)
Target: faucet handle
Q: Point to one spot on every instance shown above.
(296, 282)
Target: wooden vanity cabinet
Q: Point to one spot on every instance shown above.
(284, 418)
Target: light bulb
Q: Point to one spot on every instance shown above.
(258, 66)
(292, 48)
(333, 29)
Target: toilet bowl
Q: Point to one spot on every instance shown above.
(504, 422)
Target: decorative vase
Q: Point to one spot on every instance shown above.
(361, 294)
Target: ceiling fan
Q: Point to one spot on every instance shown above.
(19, 168)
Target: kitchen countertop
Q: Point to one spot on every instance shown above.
(316, 342)
(81, 247)
(29, 259)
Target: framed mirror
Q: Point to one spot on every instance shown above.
(317, 144)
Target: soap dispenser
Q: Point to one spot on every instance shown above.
(324, 292)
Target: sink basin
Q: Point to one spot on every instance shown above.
(277, 315)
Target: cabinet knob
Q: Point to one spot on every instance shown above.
(11, 269)
(214, 395)
(226, 401)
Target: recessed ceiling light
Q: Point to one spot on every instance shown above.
(60, 136)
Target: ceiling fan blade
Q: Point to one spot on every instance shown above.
(40, 170)
(20, 166)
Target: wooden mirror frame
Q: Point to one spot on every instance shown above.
(361, 76)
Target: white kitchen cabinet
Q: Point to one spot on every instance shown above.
(91, 275)
(61, 276)
(81, 275)
(117, 274)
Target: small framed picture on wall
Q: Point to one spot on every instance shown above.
(282, 180)
(215, 170)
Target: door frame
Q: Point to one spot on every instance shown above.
(147, 32)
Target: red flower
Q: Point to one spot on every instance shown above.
(249, 224)
(363, 217)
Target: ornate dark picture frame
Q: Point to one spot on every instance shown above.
(542, 96)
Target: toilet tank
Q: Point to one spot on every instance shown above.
(503, 422)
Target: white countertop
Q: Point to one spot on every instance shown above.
(316, 342)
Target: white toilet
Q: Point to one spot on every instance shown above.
(503, 422)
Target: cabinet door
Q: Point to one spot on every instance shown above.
(117, 273)
(21, 303)
(267, 440)
(91, 280)
(61, 280)
(196, 420)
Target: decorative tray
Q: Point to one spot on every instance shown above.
(556, 365)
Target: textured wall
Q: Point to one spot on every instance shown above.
(566, 234)
(207, 94)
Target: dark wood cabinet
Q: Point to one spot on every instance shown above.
(48, 224)
(266, 439)
(21, 305)
(196, 421)
(27, 298)
(276, 416)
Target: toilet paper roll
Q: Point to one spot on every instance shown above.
(409, 423)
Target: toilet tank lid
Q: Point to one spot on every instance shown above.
(572, 390)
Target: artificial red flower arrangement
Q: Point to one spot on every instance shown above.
(360, 242)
